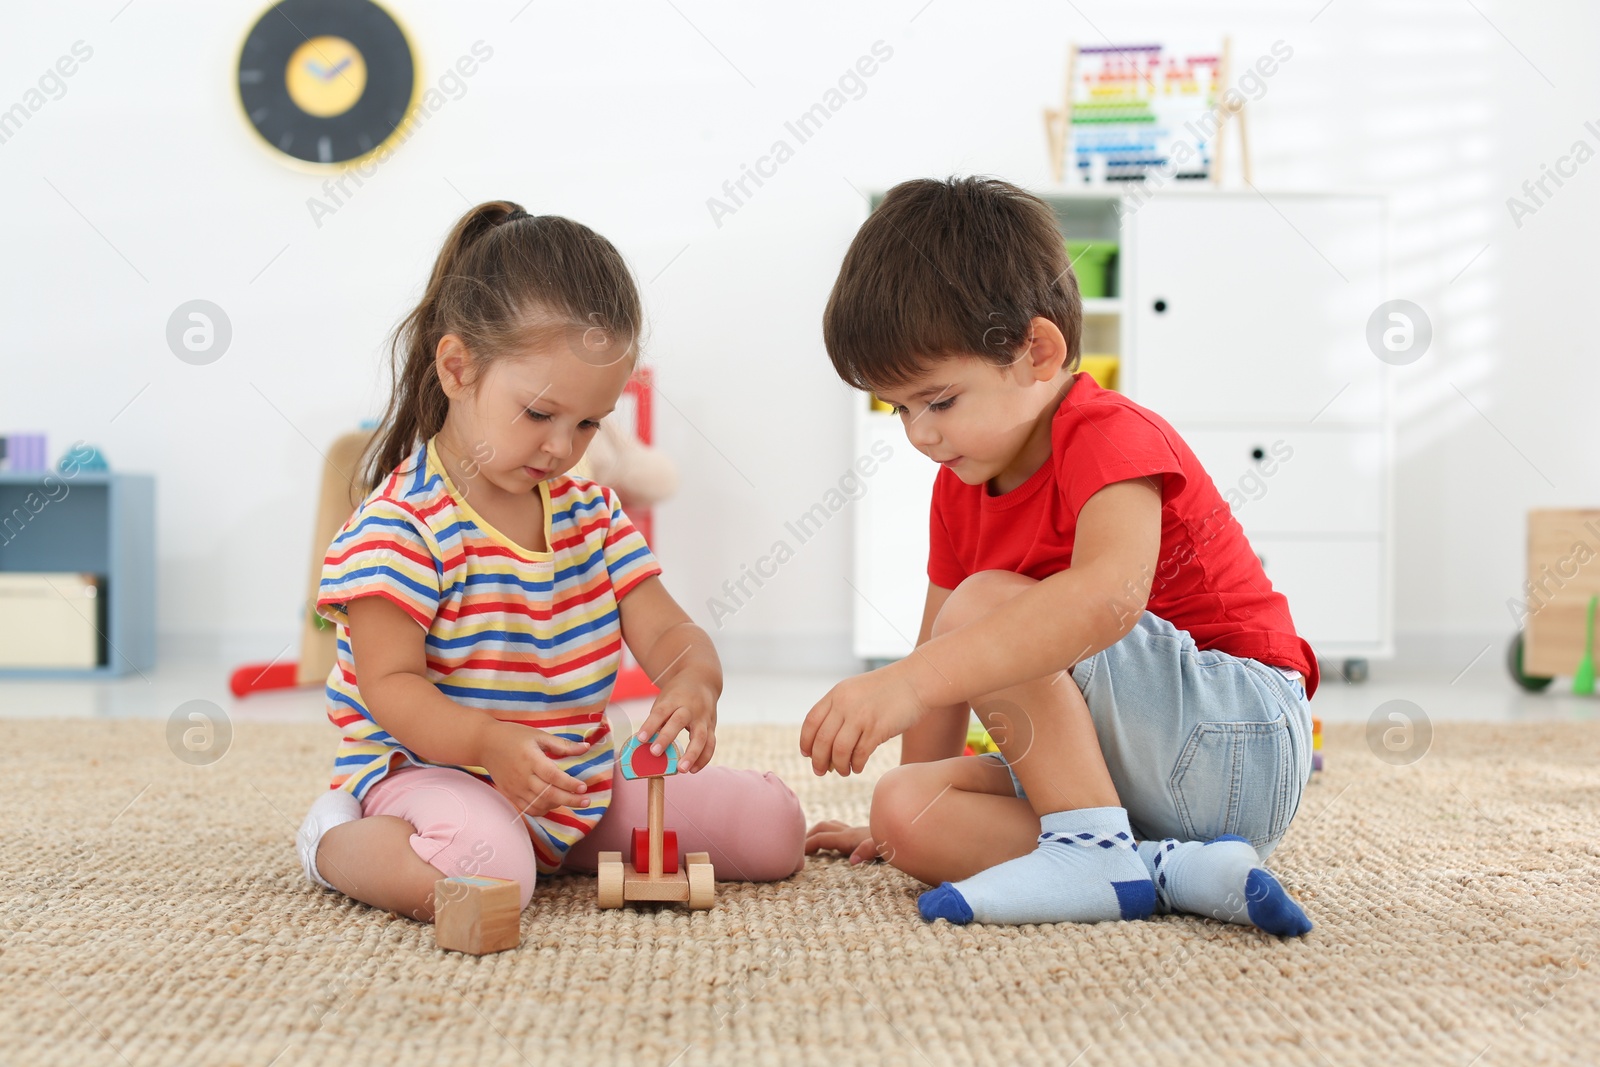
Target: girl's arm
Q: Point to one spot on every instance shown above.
(391, 673)
(679, 658)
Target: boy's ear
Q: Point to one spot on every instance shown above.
(453, 363)
(1047, 348)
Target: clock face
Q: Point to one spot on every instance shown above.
(326, 81)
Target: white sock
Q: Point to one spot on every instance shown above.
(1085, 870)
(1223, 879)
(333, 807)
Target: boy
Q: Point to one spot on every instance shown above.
(1091, 597)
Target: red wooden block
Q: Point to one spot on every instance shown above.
(641, 850)
(646, 764)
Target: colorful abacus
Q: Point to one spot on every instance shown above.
(1316, 744)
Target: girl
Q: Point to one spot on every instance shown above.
(482, 594)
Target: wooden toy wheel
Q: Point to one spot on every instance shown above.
(702, 881)
(610, 879)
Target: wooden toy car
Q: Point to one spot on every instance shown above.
(652, 872)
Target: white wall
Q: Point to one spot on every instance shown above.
(142, 187)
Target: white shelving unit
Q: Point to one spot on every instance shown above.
(1241, 320)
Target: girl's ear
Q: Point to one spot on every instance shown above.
(453, 362)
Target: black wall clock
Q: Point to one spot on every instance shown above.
(327, 81)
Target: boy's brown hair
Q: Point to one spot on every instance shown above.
(948, 268)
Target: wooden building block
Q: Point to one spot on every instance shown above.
(477, 915)
(640, 856)
(637, 761)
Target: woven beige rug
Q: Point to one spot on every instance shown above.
(154, 913)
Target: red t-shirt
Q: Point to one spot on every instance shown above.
(1208, 580)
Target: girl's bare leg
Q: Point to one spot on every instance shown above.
(372, 860)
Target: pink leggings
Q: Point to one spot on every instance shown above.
(749, 821)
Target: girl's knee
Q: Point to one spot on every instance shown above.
(488, 841)
(762, 827)
(494, 855)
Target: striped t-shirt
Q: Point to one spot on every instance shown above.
(533, 637)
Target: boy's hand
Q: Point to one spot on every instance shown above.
(857, 716)
(834, 836)
(519, 759)
(683, 704)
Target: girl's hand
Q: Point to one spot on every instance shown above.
(835, 836)
(683, 704)
(518, 758)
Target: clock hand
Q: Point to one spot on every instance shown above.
(343, 63)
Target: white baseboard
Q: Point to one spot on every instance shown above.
(774, 653)
(1433, 655)
(1417, 654)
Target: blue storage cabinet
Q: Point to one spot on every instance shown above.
(95, 522)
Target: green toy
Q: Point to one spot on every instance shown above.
(1533, 683)
(1583, 677)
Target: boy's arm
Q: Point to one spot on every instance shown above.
(1040, 631)
(679, 658)
(1065, 618)
(940, 733)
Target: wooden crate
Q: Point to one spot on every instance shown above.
(1563, 573)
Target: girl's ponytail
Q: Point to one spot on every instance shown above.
(502, 276)
(417, 404)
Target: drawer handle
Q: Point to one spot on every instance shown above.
(1160, 306)
(1258, 453)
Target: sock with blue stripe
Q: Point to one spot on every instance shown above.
(1223, 879)
(1085, 870)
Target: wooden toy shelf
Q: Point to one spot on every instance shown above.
(93, 522)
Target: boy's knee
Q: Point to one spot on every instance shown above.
(976, 596)
(898, 801)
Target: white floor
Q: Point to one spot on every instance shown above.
(1480, 692)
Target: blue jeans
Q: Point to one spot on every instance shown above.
(1198, 743)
